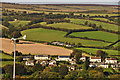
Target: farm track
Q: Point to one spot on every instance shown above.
(27, 47)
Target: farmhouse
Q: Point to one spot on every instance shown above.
(63, 58)
(115, 66)
(83, 58)
(92, 65)
(44, 63)
(71, 68)
(95, 59)
(29, 63)
(52, 63)
(72, 62)
(110, 60)
(41, 57)
(103, 65)
(26, 57)
(55, 43)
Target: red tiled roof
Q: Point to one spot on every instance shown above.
(83, 56)
(111, 59)
(95, 57)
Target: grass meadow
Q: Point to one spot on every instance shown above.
(40, 34)
(93, 51)
(104, 25)
(19, 23)
(68, 26)
(101, 35)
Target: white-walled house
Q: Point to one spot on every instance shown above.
(95, 59)
(52, 63)
(104, 65)
(110, 60)
(44, 63)
(41, 57)
(92, 65)
(29, 63)
(26, 57)
(63, 58)
(83, 58)
(115, 66)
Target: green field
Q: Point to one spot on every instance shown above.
(104, 25)
(43, 23)
(40, 34)
(93, 51)
(68, 26)
(117, 44)
(97, 35)
(4, 56)
(102, 19)
(19, 23)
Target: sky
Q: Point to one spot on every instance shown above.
(59, 1)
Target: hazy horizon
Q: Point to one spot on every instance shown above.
(105, 3)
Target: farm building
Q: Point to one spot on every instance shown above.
(29, 63)
(41, 57)
(26, 57)
(52, 63)
(103, 65)
(110, 60)
(83, 58)
(95, 59)
(63, 58)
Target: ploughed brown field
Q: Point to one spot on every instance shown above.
(27, 47)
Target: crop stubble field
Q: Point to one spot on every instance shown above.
(33, 48)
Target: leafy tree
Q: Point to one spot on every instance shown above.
(102, 54)
(17, 53)
(16, 34)
(86, 65)
(106, 16)
(78, 55)
(94, 25)
(8, 70)
(71, 14)
(90, 25)
(63, 70)
(80, 15)
(20, 70)
(19, 59)
(72, 75)
(79, 44)
(55, 69)
(115, 76)
(100, 27)
(31, 57)
(50, 13)
(45, 75)
(37, 67)
(5, 23)
(86, 23)
(50, 22)
(96, 74)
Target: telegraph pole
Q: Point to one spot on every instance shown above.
(14, 59)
